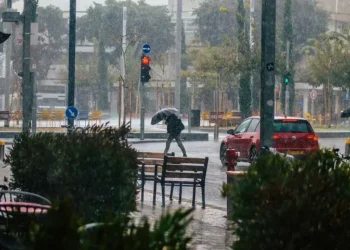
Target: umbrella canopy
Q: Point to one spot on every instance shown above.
(345, 113)
(163, 114)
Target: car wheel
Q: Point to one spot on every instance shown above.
(253, 154)
(223, 149)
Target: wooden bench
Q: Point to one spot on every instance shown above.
(182, 172)
(213, 115)
(147, 162)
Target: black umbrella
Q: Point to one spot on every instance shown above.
(345, 113)
(163, 114)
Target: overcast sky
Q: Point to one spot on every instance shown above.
(82, 4)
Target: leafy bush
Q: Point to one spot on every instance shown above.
(299, 205)
(60, 231)
(97, 168)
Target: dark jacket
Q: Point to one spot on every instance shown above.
(174, 125)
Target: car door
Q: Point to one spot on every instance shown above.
(248, 138)
(235, 140)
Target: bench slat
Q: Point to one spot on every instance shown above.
(183, 175)
(184, 160)
(150, 155)
(147, 161)
(184, 167)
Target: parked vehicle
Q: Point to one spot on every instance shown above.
(292, 135)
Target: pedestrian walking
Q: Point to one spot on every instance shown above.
(174, 129)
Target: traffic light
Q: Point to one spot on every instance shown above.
(286, 78)
(145, 68)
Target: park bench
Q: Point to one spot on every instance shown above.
(181, 172)
(5, 116)
(147, 161)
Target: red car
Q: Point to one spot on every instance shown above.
(292, 135)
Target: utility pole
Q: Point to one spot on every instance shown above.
(178, 55)
(251, 41)
(123, 67)
(27, 88)
(268, 37)
(71, 60)
(9, 76)
(286, 112)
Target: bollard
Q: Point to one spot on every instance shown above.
(231, 160)
(2, 150)
(347, 147)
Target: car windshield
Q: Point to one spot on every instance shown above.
(292, 126)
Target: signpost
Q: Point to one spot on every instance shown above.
(146, 49)
(313, 96)
(72, 113)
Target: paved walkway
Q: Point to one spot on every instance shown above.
(209, 229)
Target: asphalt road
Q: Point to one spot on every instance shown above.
(216, 174)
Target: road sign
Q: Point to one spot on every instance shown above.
(92, 104)
(300, 103)
(313, 94)
(146, 48)
(72, 113)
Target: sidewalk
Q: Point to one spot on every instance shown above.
(209, 229)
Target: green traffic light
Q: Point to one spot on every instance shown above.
(286, 80)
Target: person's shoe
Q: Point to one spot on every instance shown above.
(185, 155)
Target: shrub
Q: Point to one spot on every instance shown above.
(97, 168)
(299, 205)
(60, 231)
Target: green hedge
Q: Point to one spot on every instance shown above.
(62, 228)
(98, 169)
(300, 205)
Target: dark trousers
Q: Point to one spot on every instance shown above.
(179, 143)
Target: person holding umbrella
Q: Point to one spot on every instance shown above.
(174, 127)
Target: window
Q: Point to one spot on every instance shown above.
(257, 127)
(243, 127)
(253, 125)
(292, 126)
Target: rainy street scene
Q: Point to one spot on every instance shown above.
(174, 124)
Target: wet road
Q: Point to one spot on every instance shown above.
(216, 174)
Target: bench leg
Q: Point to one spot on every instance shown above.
(203, 196)
(180, 194)
(194, 196)
(142, 188)
(171, 191)
(163, 195)
(154, 192)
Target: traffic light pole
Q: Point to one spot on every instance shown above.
(142, 113)
(268, 37)
(27, 89)
(287, 86)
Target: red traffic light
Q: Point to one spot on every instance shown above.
(146, 60)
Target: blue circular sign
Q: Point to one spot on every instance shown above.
(300, 103)
(146, 48)
(72, 113)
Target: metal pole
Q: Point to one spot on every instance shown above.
(268, 37)
(9, 78)
(123, 62)
(216, 127)
(178, 55)
(287, 86)
(27, 90)
(142, 123)
(251, 38)
(34, 108)
(71, 63)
